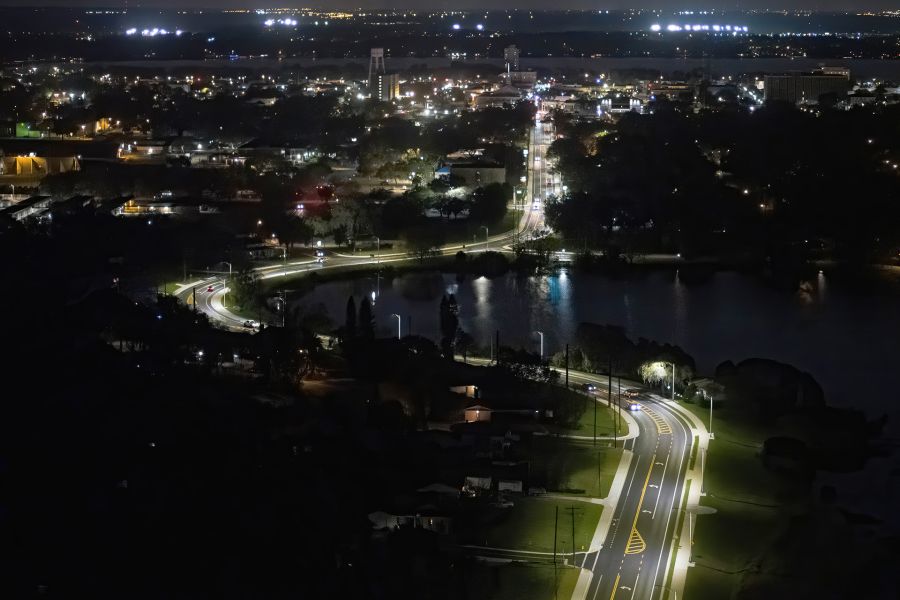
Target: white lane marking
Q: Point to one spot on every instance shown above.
(662, 480)
(684, 454)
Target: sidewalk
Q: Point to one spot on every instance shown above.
(609, 504)
(682, 540)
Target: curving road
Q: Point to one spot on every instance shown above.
(634, 559)
(542, 182)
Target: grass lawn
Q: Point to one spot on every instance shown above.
(752, 507)
(169, 287)
(530, 523)
(565, 465)
(521, 581)
(605, 425)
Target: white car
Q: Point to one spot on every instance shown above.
(634, 406)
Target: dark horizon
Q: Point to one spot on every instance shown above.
(826, 6)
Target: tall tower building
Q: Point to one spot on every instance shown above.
(382, 85)
(376, 62)
(511, 58)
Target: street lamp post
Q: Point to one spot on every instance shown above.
(541, 333)
(673, 382)
(283, 300)
(665, 362)
(225, 287)
(487, 243)
(398, 324)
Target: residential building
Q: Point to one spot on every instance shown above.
(806, 88)
(511, 58)
(385, 86)
(505, 96)
(519, 79)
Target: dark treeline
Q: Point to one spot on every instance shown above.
(778, 183)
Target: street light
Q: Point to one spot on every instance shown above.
(486, 241)
(283, 300)
(398, 324)
(541, 333)
(665, 362)
(658, 365)
(225, 287)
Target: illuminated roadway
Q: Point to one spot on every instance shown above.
(540, 182)
(633, 560)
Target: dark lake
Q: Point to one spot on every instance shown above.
(842, 329)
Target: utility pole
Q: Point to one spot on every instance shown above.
(609, 384)
(615, 424)
(619, 401)
(599, 473)
(194, 296)
(555, 528)
(497, 346)
(572, 510)
(567, 371)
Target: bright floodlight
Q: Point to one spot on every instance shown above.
(655, 27)
(479, 27)
(456, 26)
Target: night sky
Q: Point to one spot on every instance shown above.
(464, 4)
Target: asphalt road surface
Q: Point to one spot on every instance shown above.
(635, 557)
(541, 182)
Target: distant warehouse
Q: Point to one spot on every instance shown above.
(807, 88)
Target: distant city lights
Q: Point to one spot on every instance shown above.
(286, 22)
(674, 27)
(156, 31)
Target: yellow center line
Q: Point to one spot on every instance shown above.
(615, 587)
(637, 513)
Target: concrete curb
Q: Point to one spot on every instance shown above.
(682, 550)
(611, 501)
